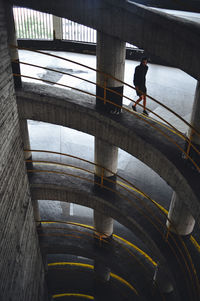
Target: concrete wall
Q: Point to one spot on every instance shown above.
(21, 269)
(175, 41)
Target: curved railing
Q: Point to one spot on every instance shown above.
(127, 191)
(124, 244)
(91, 267)
(163, 129)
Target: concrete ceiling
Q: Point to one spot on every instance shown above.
(175, 40)
(183, 5)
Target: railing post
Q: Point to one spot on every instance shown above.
(189, 144)
(104, 89)
(102, 176)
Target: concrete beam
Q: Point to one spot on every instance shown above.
(66, 189)
(173, 39)
(78, 112)
(182, 5)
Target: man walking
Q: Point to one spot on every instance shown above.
(139, 81)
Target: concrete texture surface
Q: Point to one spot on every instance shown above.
(21, 269)
(173, 39)
(168, 85)
(62, 139)
(148, 145)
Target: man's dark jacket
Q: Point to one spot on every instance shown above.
(140, 75)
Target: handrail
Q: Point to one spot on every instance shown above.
(112, 77)
(101, 240)
(142, 193)
(89, 266)
(93, 229)
(117, 93)
(188, 140)
(157, 228)
(125, 109)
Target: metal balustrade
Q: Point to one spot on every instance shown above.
(139, 200)
(165, 128)
(32, 24)
(77, 32)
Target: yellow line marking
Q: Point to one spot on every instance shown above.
(141, 193)
(118, 237)
(192, 239)
(73, 295)
(125, 282)
(137, 249)
(89, 266)
(195, 243)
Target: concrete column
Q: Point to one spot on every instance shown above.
(102, 272)
(195, 118)
(65, 209)
(25, 138)
(162, 280)
(195, 138)
(102, 281)
(57, 28)
(12, 40)
(111, 60)
(36, 212)
(182, 222)
(106, 155)
(178, 212)
(103, 224)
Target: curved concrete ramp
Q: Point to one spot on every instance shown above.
(135, 136)
(175, 41)
(112, 255)
(49, 186)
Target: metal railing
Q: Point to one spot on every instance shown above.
(165, 128)
(127, 191)
(90, 267)
(77, 32)
(32, 24)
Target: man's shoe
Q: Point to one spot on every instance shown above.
(134, 108)
(145, 113)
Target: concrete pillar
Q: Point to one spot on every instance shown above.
(182, 222)
(36, 212)
(57, 28)
(194, 138)
(25, 138)
(101, 281)
(103, 224)
(65, 209)
(106, 155)
(12, 40)
(162, 280)
(111, 60)
(26, 144)
(102, 272)
(195, 118)
(179, 214)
